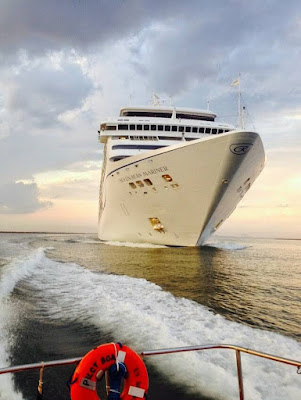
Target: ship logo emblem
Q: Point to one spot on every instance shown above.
(240, 148)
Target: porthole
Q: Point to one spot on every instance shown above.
(132, 185)
(148, 182)
(140, 183)
(168, 178)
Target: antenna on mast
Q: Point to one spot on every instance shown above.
(208, 104)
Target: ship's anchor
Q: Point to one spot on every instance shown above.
(299, 370)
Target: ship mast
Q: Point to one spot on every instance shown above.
(239, 103)
(240, 119)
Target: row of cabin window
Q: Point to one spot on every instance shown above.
(150, 138)
(152, 114)
(137, 146)
(166, 128)
(154, 138)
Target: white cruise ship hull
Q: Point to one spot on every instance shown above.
(209, 178)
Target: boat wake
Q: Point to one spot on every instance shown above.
(138, 245)
(142, 315)
(11, 274)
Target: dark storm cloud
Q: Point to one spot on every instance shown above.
(38, 25)
(20, 198)
(221, 39)
(201, 39)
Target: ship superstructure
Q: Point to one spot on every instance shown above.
(172, 175)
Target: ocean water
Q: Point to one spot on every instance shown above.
(62, 295)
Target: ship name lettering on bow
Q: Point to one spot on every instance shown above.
(143, 174)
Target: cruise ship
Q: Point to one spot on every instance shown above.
(172, 176)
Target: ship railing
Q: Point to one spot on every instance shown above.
(238, 350)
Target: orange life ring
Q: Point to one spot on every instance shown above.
(83, 384)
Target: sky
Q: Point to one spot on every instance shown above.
(67, 64)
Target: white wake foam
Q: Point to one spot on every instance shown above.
(139, 245)
(12, 273)
(144, 316)
(18, 269)
(8, 315)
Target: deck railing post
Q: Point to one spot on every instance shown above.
(239, 375)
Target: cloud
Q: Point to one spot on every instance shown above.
(42, 90)
(37, 95)
(65, 65)
(41, 26)
(20, 198)
(213, 42)
(25, 154)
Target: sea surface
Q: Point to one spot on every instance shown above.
(63, 294)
